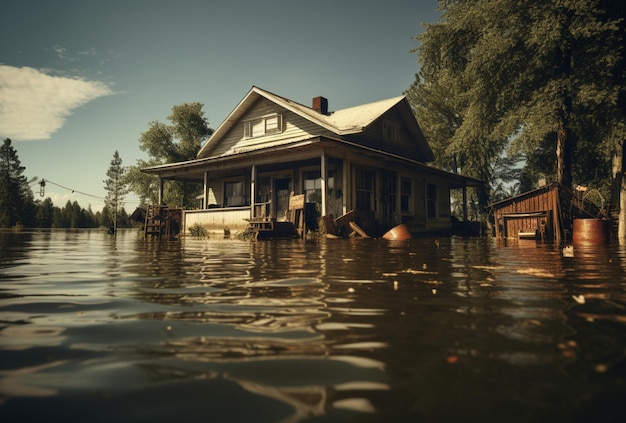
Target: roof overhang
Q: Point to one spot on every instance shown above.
(193, 170)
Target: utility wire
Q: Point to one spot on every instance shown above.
(80, 192)
(73, 190)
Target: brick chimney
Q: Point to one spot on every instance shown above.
(320, 105)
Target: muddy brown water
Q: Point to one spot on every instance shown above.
(95, 327)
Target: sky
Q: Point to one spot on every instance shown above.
(81, 79)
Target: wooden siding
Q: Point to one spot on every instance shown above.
(404, 145)
(295, 127)
(233, 219)
(527, 214)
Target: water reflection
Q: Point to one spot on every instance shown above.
(434, 329)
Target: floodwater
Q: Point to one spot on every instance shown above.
(95, 327)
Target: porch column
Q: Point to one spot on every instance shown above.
(252, 190)
(205, 203)
(465, 202)
(324, 177)
(347, 187)
(160, 193)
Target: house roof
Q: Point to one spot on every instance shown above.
(349, 121)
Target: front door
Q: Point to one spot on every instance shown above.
(282, 190)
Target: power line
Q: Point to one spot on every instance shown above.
(44, 181)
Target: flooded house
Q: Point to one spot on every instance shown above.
(275, 163)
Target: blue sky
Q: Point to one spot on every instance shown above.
(82, 79)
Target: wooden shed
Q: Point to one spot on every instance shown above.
(546, 214)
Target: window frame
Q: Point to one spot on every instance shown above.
(228, 202)
(391, 130)
(366, 176)
(431, 201)
(406, 194)
(268, 124)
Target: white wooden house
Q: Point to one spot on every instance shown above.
(369, 157)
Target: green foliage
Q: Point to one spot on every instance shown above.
(115, 186)
(16, 197)
(17, 204)
(198, 230)
(504, 79)
(179, 141)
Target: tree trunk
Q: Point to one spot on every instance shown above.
(563, 156)
(616, 177)
(618, 194)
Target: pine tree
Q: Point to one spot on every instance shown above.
(115, 187)
(16, 197)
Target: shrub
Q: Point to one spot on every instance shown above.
(198, 230)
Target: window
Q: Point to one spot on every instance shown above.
(405, 194)
(270, 124)
(234, 194)
(431, 200)
(390, 191)
(390, 131)
(312, 184)
(364, 189)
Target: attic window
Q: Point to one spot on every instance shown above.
(390, 131)
(270, 124)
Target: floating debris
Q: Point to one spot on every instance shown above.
(580, 299)
(568, 251)
(535, 272)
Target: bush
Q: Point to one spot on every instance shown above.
(198, 230)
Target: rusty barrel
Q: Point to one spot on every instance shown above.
(596, 231)
(398, 233)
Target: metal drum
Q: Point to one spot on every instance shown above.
(597, 231)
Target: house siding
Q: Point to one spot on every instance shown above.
(233, 219)
(295, 128)
(404, 146)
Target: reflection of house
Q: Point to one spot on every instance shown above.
(370, 157)
(546, 213)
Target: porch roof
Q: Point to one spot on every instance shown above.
(194, 169)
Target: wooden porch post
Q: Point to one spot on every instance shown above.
(465, 202)
(252, 191)
(347, 183)
(160, 194)
(324, 177)
(205, 203)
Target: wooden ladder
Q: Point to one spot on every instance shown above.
(155, 223)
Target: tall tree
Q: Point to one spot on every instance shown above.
(179, 141)
(115, 187)
(45, 213)
(520, 75)
(16, 197)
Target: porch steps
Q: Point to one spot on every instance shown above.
(162, 221)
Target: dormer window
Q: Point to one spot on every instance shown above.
(269, 124)
(390, 131)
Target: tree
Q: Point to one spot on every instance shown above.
(45, 213)
(177, 142)
(115, 187)
(16, 197)
(523, 77)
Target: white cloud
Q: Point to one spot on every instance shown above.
(34, 105)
